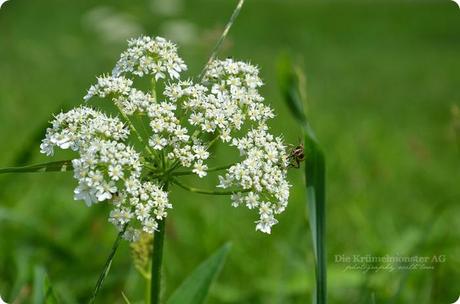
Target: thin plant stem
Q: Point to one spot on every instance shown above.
(157, 259)
(61, 165)
(216, 48)
(213, 169)
(209, 192)
(108, 263)
(139, 137)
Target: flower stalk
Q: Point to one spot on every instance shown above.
(209, 192)
(157, 260)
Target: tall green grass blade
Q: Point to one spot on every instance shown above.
(195, 288)
(61, 165)
(107, 265)
(289, 81)
(224, 34)
(315, 180)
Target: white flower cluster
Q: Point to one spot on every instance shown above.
(167, 131)
(77, 128)
(142, 205)
(263, 173)
(150, 56)
(224, 104)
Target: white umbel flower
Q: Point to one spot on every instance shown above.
(264, 172)
(150, 56)
(179, 125)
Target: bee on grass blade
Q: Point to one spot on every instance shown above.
(296, 156)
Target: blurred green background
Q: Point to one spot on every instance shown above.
(383, 81)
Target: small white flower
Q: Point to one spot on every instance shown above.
(157, 142)
(200, 169)
(115, 172)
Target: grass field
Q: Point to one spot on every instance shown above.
(382, 82)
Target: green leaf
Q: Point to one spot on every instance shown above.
(196, 287)
(289, 82)
(61, 165)
(315, 182)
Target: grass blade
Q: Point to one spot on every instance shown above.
(315, 181)
(61, 165)
(196, 287)
(108, 263)
(216, 48)
(125, 298)
(290, 82)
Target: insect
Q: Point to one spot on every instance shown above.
(296, 156)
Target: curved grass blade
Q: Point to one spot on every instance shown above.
(107, 265)
(289, 84)
(61, 165)
(195, 288)
(216, 48)
(289, 80)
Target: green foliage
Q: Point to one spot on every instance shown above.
(289, 84)
(314, 173)
(195, 287)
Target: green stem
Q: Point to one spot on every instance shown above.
(213, 141)
(139, 137)
(190, 172)
(108, 263)
(210, 192)
(154, 90)
(173, 166)
(216, 48)
(61, 165)
(157, 259)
